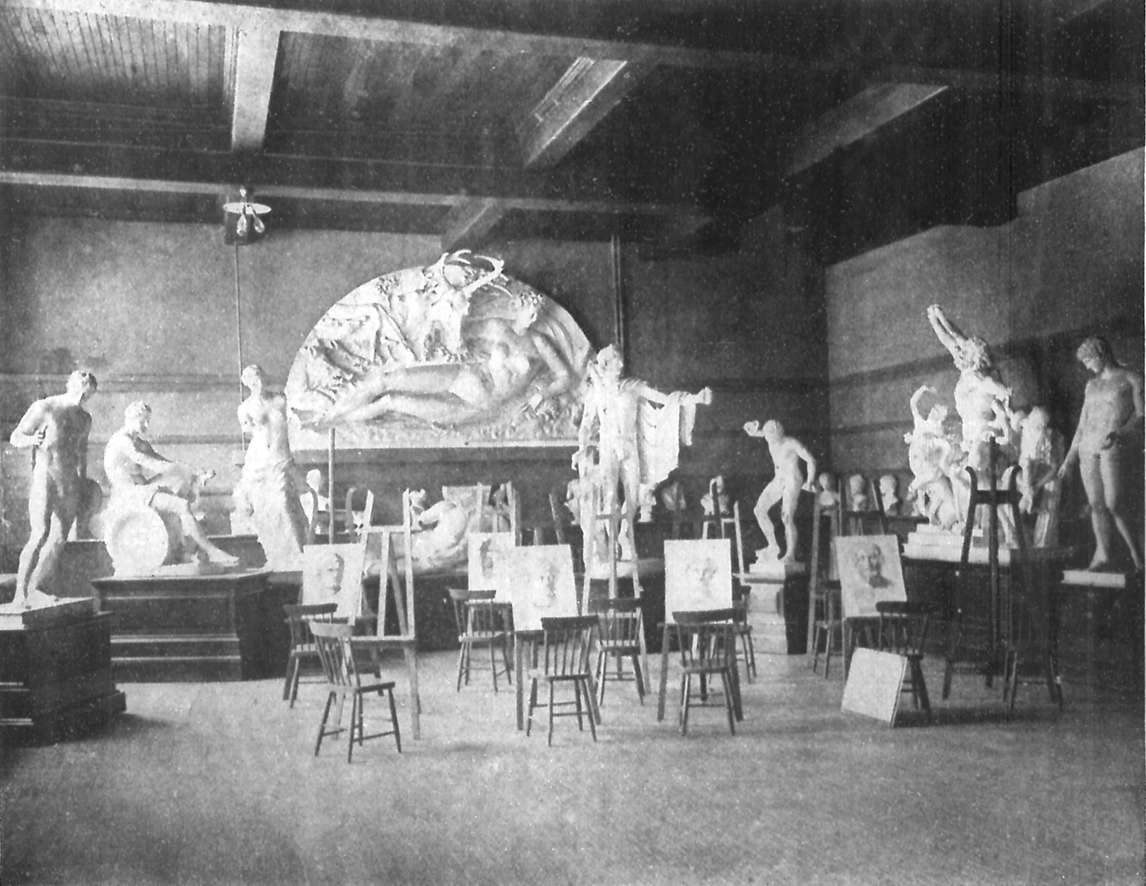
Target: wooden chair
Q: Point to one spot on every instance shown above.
(743, 631)
(342, 678)
(707, 642)
(621, 636)
(903, 630)
(566, 646)
(302, 648)
(481, 622)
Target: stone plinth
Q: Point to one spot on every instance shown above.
(195, 627)
(55, 671)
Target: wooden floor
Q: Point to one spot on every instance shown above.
(217, 783)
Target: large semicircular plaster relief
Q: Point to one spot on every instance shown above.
(452, 354)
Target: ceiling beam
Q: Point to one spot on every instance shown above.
(587, 91)
(469, 223)
(1007, 82)
(855, 119)
(254, 79)
(516, 188)
(220, 187)
(321, 21)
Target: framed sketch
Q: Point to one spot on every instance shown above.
(870, 571)
(538, 581)
(698, 574)
(333, 574)
(485, 550)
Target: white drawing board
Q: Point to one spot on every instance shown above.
(538, 581)
(698, 574)
(333, 574)
(875, 680)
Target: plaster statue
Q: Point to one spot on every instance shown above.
(56, 429)
(1040, 456)
(499, 511)
(784, 487)
(455, 350)
(931, 455)
(716, 501)
(672, 497)
(827, 491)
(858, 498)
(982, 401)
(142, 478)
(439, 540)
(889, 493)
(1107, 442)
(271, 483)
(636, 432)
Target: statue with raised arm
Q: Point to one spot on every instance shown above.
(56, 429)
(981, 399)
(271, 483)
(1108, 440)
(931, 455)
(142, 478)
(784, 488)
(637, 432)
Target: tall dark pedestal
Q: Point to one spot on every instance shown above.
(56, 672)
(195, 627)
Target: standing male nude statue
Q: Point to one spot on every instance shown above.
(784, 487)
(1104, 446)
(56, 428)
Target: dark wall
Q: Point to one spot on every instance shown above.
(153, 309)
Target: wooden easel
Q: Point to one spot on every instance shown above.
(823, 590)
(393, 585)
(1004, 652)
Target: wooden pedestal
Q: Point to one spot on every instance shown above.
(227, 626)
(56, 675)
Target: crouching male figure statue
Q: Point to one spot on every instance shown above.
(141, 477)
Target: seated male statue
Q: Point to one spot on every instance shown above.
(141, 477)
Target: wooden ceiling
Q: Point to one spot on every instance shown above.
(667, 122)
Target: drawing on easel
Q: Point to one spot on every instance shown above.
(538, 581)
(485, 550)
(698, 574)
(870, 571)
(333, 574)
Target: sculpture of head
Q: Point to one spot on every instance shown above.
(81, 384)
(889, 487)
(972, 354)
(252, 377)
(137, 416)
(1095, 353)
(772, 430)
(314, 479)
(1037, 422)
(857, 486)
(827, 482)
(609, 362)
